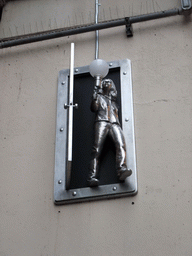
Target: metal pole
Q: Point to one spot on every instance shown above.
(7, 42)
(96, 32)
(71, 104)
(70, 119)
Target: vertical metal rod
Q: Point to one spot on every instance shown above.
(71, 104)
(70, 119)
(97, 31)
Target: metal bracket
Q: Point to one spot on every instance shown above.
(186, 4)
(186, 7)
(71, 105)
(129, 28)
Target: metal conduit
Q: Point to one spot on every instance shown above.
(96, 32)
(31, 38)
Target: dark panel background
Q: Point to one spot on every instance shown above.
(83, 134)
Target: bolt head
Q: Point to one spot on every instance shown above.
(59, 181)
(61, 129)
(76, 70)
(74, 193)
(114, 188)
(126, 119)
(124, 73)
(63, 83)
(110, 64)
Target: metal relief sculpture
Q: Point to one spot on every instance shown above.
(81, 181)
(107, 124)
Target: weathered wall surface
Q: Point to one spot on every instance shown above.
(158, 220)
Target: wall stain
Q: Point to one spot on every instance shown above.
(19, 93)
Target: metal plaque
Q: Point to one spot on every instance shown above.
(72, 187)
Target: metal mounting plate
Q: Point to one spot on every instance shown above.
(127, 188)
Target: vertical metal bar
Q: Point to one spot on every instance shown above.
(70, 119)
(71, 103)
(97, 31)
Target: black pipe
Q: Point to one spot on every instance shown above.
(153, 16)
(31, 38)
(61, 33)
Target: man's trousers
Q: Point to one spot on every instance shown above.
(102, 130)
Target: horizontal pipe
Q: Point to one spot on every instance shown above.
(153, 16)
(61, 33)
(31, 38)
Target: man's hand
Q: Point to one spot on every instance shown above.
(95, 92)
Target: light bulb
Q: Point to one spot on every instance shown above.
(99, 68)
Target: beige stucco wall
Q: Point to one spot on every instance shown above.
(159, 222)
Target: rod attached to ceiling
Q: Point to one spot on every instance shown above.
(41, 36)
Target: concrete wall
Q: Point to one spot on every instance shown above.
(158, 220)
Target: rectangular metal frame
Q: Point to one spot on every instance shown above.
(129, 187)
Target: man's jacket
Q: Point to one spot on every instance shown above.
(105, 108)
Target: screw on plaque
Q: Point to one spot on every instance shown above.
(74, 193)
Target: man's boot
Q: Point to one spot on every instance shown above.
(92, 180)
(123, 173)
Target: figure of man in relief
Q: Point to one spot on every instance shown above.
(107, 124)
